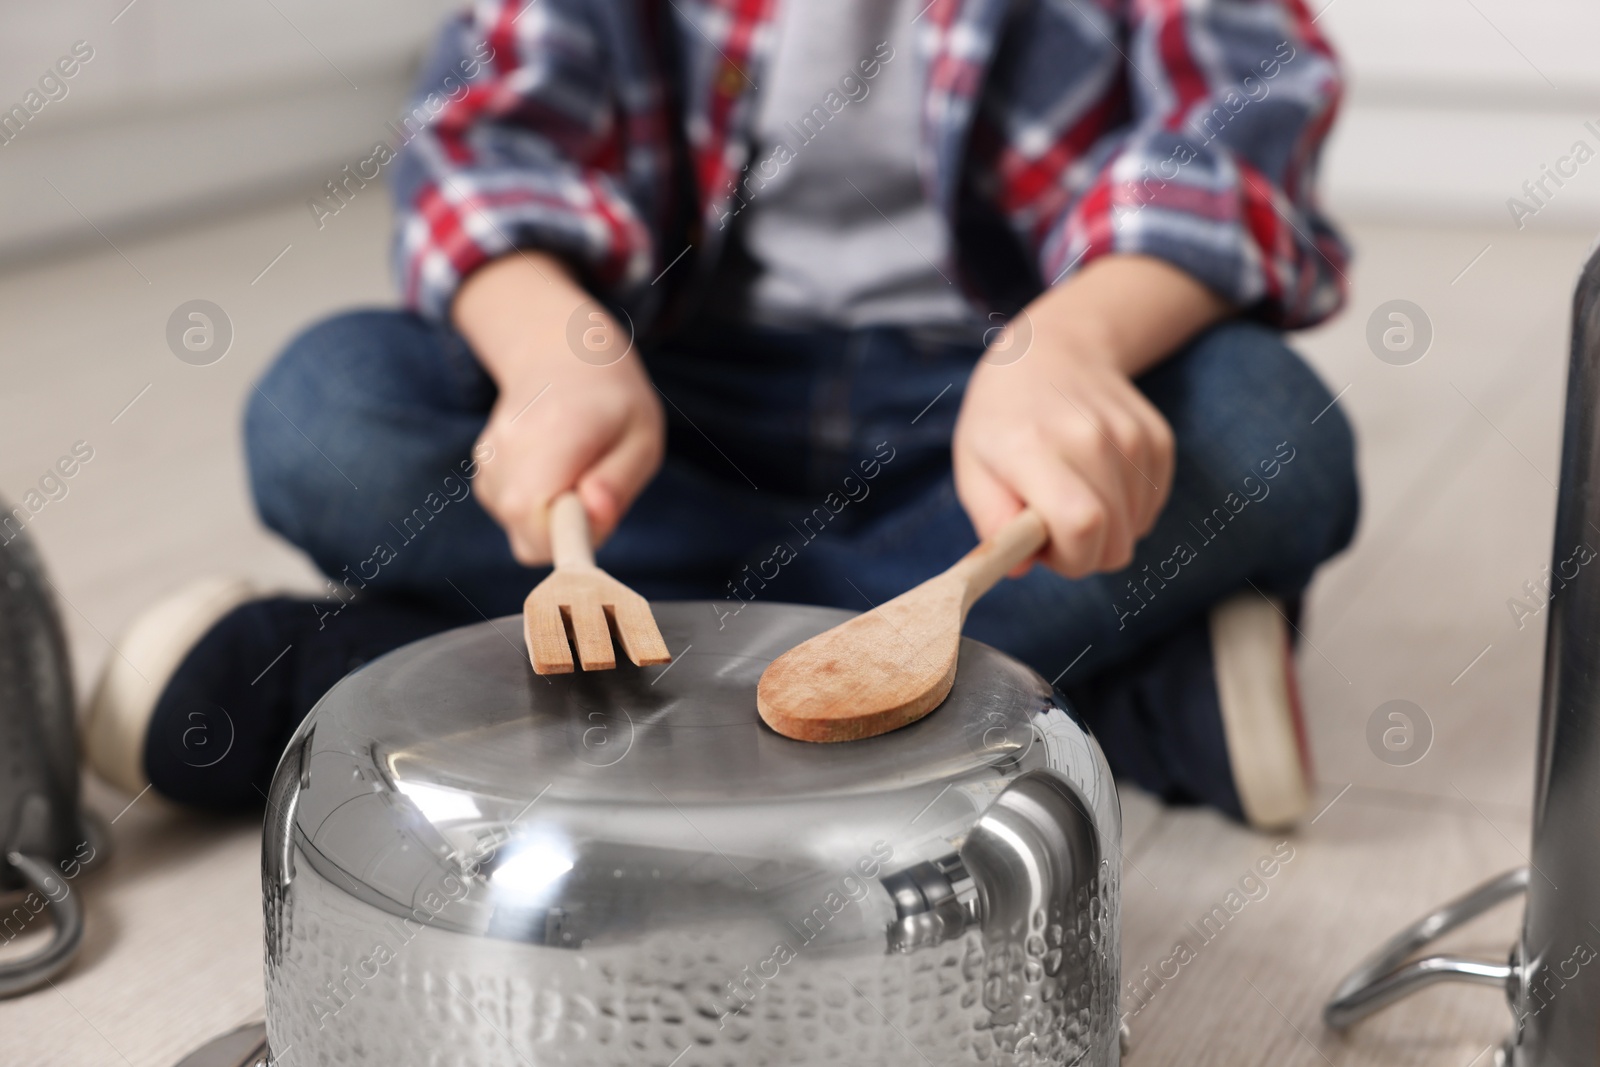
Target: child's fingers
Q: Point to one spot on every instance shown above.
(1135, 462)
(525, 552)
(1078, 520)
(987, 502)
(1088, 456)
(1160, 459)
(610, 485)
(534, 464)
(1109, 439)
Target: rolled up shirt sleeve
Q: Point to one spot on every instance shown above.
(1214, 172)
(512, 141)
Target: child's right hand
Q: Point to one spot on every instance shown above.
(561, 422)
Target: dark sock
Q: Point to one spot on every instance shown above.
(231, 706)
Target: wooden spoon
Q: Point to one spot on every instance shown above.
(580, 600)
(894, 664)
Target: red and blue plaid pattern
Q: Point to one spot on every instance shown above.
(1183, 129)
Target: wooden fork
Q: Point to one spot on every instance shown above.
(580, 600)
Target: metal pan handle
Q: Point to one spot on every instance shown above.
(1385, 976)
(19, 976)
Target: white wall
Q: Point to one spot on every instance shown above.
(190, 106)
(176, 50)
(1455, 103)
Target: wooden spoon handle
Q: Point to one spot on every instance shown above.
(569, 533)
(1015, 542)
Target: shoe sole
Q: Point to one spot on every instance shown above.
(1260, 710)
(142, 662)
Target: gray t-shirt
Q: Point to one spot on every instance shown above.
(836, 217)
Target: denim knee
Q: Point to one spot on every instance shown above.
(341, 425)
(1242, 400)
(290, 410)
(1335, 497)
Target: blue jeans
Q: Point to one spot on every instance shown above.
(801, 466)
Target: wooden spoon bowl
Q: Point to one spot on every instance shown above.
(892, 665)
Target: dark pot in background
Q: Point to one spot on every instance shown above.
(44, 840)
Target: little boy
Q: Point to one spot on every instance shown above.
(802, 297)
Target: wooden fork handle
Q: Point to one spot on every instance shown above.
(569, 533)
(1015, 542)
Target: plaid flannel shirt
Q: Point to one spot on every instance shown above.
(615, 134)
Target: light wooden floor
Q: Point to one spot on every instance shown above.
(1458, 455)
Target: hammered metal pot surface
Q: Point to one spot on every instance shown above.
(469, 864)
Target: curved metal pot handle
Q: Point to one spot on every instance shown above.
(1036, 843)
(1385, 976)
(19, 976)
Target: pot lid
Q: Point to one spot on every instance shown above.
(462, 715)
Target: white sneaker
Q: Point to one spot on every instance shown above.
(1259, 696)
(142, 661)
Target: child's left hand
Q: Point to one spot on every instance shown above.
(1063, 429)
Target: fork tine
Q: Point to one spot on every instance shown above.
(591, 633)
(637, 630)
(546, 636)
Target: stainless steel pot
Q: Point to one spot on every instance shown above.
(468, 864)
